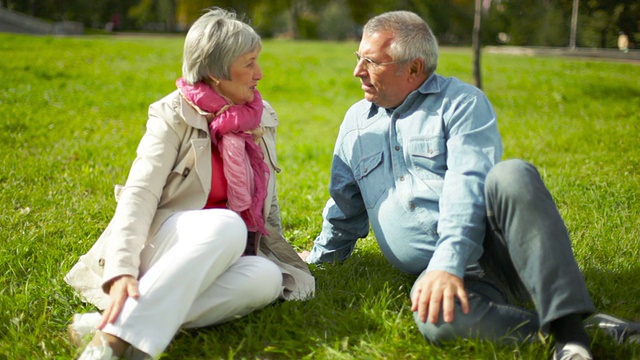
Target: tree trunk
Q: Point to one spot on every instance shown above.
(477, 76)
(293, 8)
(574, 25)
(171, 16)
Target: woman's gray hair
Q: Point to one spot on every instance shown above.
(213, 42)
(413, 37)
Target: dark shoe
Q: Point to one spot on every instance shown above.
(621, 330)
(572, 351)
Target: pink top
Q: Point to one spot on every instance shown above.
(218, 195)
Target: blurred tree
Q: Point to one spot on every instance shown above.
(535, 22)
(189, 10)
(516, 22)
(548, 22)
(602, 21)
(155, 15)
(336, 23)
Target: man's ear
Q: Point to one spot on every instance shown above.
(416, 71)
(416, 66)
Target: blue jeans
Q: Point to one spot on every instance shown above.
(527, 257)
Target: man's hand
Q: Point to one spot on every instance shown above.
(436, 290)
(122, 288)
(304, 255)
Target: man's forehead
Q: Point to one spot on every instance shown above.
(376, 43)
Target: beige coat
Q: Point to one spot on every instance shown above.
(172, 173)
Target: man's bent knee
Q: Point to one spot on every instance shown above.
(512, 177)
(439, 332)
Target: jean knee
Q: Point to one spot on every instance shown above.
(511, 177)
(436, 333)
(487, 320)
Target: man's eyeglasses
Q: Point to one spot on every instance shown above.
(370, 64)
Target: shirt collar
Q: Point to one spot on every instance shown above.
(431, 85)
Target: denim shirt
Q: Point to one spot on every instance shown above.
(415, 174)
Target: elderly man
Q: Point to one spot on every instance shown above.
(418, 160)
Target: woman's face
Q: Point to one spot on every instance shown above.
(245, 73)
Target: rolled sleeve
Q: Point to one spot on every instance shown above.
(473, 147)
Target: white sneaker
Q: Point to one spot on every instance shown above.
(572, 351)
(98, 352)
(83, 327)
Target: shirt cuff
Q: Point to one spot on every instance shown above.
(448, 260)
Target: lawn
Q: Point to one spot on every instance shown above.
(73, 109)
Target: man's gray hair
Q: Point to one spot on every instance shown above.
(213, 42)
(413, 38)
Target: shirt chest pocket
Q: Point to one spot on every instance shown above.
(428, 157)
(370, 175)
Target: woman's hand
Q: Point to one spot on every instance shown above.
(121, 288)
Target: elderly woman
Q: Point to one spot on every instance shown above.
(199, 202)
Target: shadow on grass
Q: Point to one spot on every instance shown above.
(604, 92)
(610, 290)
(361, 300)
(360, 311)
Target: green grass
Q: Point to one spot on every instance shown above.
(73, 109)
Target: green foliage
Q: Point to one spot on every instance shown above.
(73, 109)
(527, 22)
(337, 24)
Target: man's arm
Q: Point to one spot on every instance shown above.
(473, 147)
(344, 219)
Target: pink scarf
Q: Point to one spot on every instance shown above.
(244, 168)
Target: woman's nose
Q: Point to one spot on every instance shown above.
(258, 73)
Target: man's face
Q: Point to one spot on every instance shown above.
(387, 84)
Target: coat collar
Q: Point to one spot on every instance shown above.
(191, 114)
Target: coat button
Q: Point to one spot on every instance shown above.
(101, 262)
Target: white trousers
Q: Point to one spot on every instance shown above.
(193, 274)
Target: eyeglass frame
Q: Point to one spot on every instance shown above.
(368, 61)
